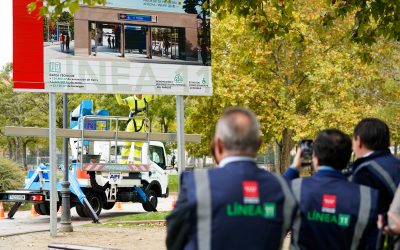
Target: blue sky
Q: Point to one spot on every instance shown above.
(6, 32)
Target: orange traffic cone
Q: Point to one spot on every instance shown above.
(118, 205)
(33, 212)
(60, 210)
(1, 211)
(174, 202)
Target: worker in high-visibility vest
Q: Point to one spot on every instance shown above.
(138, 104)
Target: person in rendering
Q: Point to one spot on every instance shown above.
(113, 42)
(109, 41)
(236, 205)
(335, 214)
(67, 41)
(204, 53)
(62, 38)
(138, 105)
(166, 46)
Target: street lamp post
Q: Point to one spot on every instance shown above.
(66, 225)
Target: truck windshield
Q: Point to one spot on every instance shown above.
(157, 156)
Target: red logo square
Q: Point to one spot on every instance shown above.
(329, 203)
(250, 189)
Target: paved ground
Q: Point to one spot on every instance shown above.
(121, 237)
(107, 54)
(134, 237)
(24, 222)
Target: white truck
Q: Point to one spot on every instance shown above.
(97, 177)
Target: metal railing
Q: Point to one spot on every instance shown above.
(109, 124)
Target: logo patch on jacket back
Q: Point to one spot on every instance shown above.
(328, 212)
(251, 194)
(329, 203)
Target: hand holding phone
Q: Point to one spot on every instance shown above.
(306, 147)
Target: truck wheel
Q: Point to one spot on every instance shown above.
(95, 201)
(108, 205)
(80, 209)
(44, 208)
(152, 197)
(37, 208)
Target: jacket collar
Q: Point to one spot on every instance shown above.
(327, 171)
(231, 159)
(374, 155)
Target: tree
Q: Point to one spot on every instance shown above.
(372, 19)
(20, 109)
(190, 6)
(310, 79)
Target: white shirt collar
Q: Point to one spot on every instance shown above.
(368, 154)
(231, 159)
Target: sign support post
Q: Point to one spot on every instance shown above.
(180, 127)
(66, 225)
(53, 164)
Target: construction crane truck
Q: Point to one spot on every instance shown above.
(97, 177)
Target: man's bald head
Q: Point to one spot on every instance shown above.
(239, 131)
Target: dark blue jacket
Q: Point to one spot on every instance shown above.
(335, 214)
(239, 206)
(366, 174)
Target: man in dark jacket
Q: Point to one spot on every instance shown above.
(335, 214)
(234, 206)
(375, 166)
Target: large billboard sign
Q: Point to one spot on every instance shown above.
(129, 46)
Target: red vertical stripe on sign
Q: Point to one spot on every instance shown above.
(28, 61)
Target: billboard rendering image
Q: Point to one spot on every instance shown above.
(129, 46)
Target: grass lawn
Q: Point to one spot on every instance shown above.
(123, 221)
(140, 217)
(173, 183)
(26, 206)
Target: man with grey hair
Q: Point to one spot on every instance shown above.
(236, 205)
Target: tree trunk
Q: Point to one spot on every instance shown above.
(24, 148)
(16, 153)
(282, 151)
(277, 156)
(287, 144)
(204, 161)
(395, 148)
(10, 149)
(164, 125)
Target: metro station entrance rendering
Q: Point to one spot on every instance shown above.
(163, 37)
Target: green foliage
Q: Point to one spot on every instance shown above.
(190, 6)
(162, 111)
(306, 80)
(272, 19)
(173, 183)
(11, 175)
(55, 8)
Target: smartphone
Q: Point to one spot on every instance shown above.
(306, 146)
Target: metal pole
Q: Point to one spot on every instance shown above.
(53, 164)
(122, 37)
(66, 225)
(180, 116)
